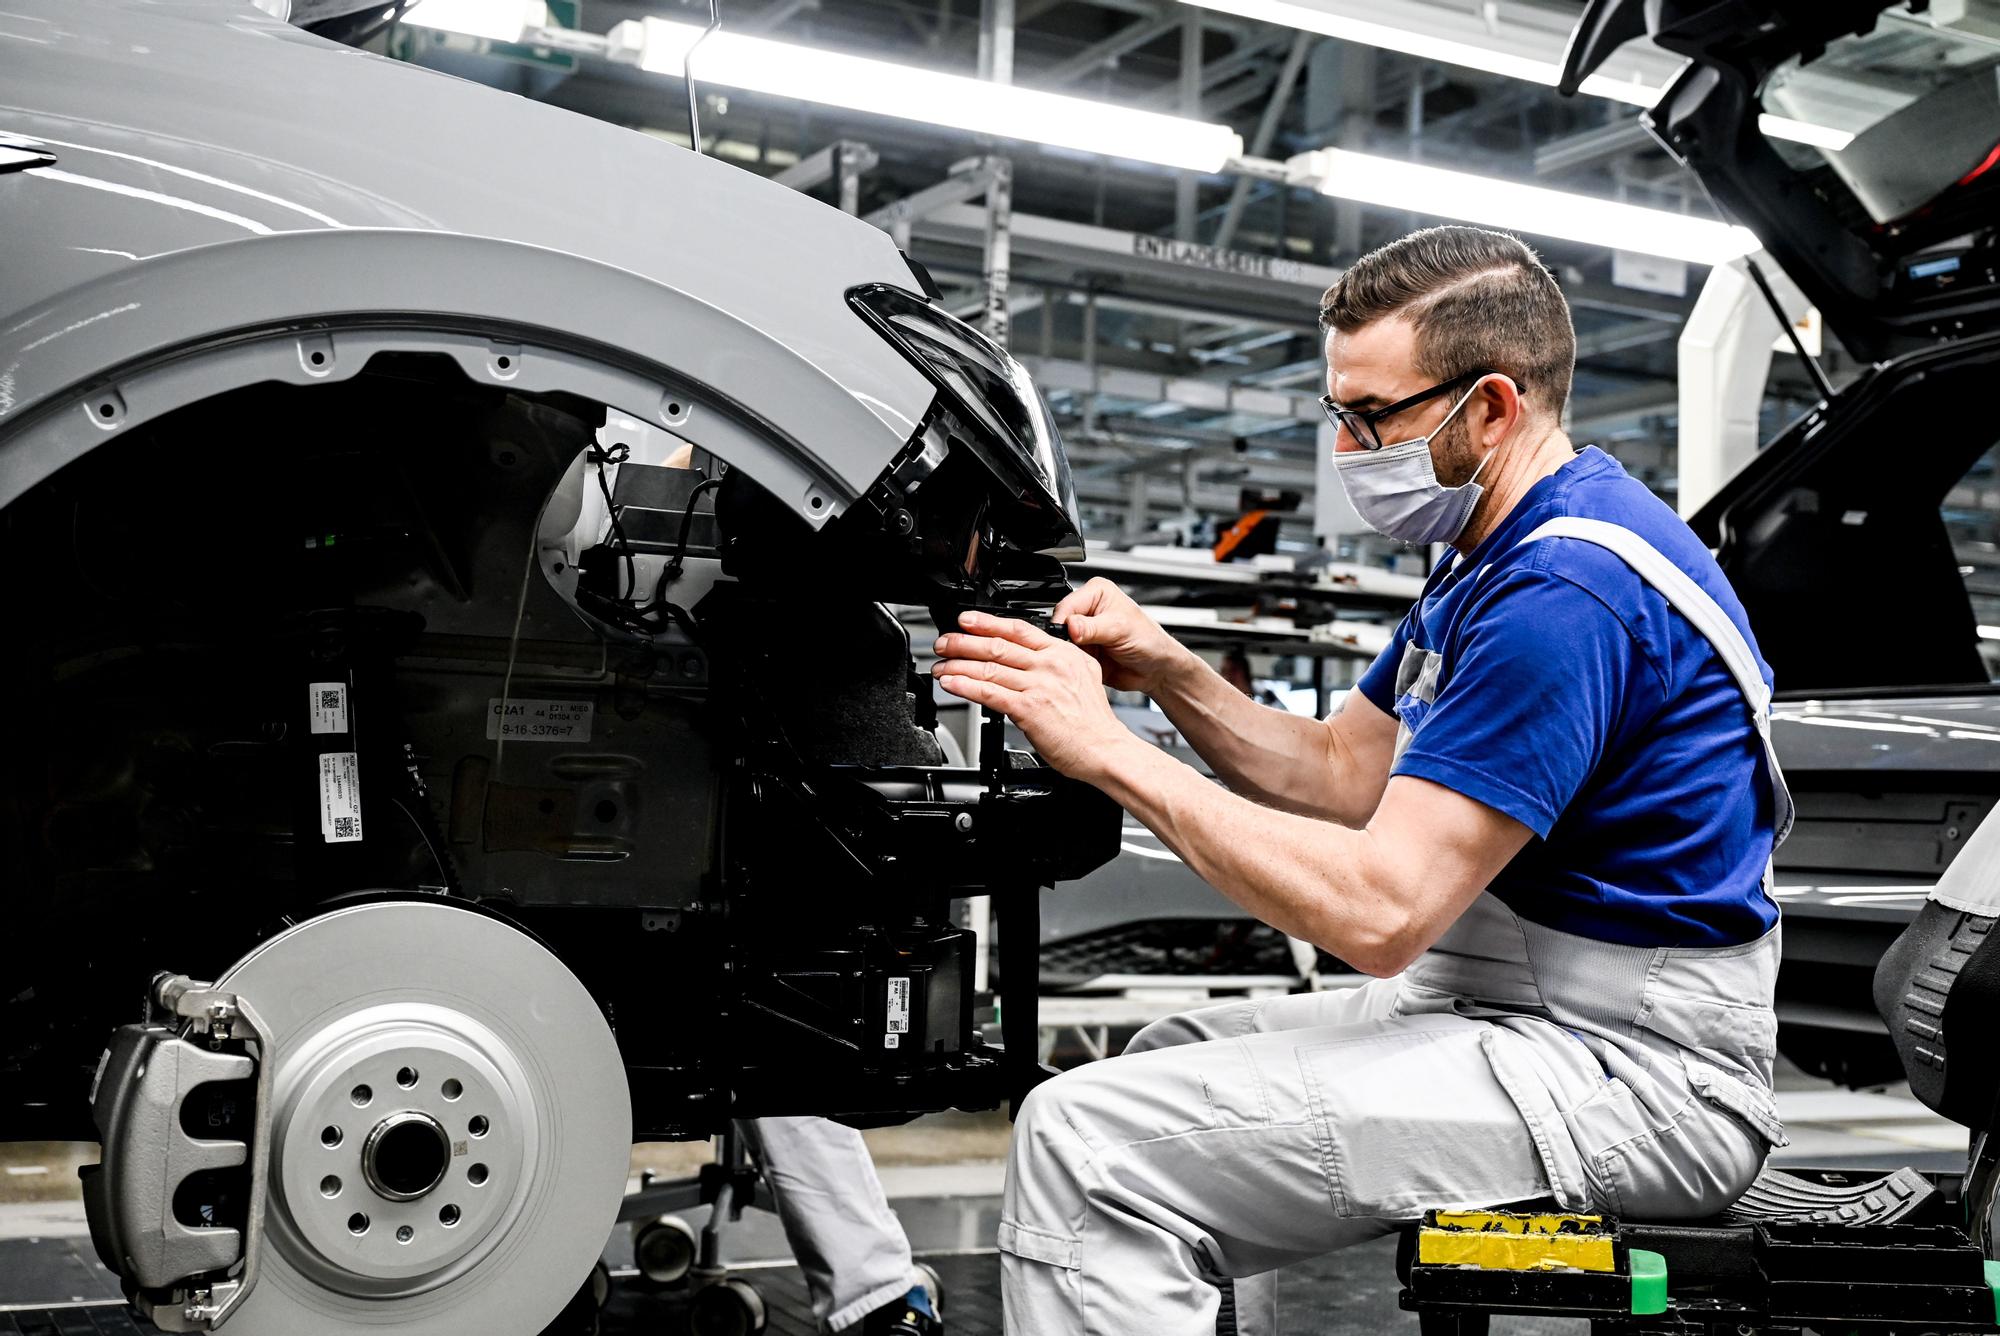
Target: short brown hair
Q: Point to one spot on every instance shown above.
(1477, 299)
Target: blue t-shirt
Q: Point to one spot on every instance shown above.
(1573, 698)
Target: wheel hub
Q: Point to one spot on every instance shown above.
(405, 1156)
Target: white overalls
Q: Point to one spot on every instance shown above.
(848, 1242)
(1511, 1062)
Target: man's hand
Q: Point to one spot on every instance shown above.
(1130, 646)
(1053, 692)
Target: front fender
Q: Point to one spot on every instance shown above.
(100, 359)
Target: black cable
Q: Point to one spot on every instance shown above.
(672, 570)
(601, 456)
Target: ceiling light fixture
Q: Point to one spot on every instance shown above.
(907, 92)
(1390, 183)
(1489, 59)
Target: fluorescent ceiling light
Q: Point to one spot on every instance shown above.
(883, 88)
(1490, 60)
(495, 20)
(1493, 202)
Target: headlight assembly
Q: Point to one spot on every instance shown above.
(1008, 425)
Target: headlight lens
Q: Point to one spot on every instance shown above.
(995, 396)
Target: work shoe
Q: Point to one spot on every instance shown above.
(911, 1315)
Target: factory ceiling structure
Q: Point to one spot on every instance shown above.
(1168, 306)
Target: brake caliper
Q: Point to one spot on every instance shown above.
(182, 1104)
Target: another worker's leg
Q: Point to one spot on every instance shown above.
(850, 1245)
(1255, 1306)
(1135, 1182)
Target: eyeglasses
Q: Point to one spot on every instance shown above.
(1361, 425)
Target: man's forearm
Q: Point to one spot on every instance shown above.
(1279, 759)
(1307, 878)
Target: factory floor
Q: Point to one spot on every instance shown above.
(943, 1175)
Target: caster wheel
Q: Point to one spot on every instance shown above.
(664, 1250)
(600, 1283)
(727, 1308)
(934, 1283)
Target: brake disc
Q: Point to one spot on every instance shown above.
(450, 1128)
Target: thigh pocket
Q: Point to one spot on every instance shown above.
(1752, 1107)
(1414, 1118)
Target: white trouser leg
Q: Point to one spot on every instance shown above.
(848, 1242)
(1257, 1296)
(1134, 1182)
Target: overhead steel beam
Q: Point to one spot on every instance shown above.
(1106, 52)
(968, 180)
(1618, 338)
(845, 160)
(1251, 51)
(782, 12)
(1209, 396)
(1230, 283)
(1186, 184)
(1591, 148)
(1267, 130)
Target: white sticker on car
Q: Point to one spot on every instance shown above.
(328, 702)
(539, 720)
(899, 1006)
(340, 797)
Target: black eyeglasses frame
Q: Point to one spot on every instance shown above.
(1361, 424)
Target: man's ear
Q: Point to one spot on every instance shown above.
(1501, 409)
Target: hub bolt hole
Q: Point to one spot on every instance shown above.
(361, 1094)
(452, 1090)
(329, 1186)
(477, 1126)
(404, 1234)
(407, 1077)
(448, 1216)
(329, 1136)
(357, 1223)
(476, 1175)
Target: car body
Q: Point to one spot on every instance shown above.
(453, 537)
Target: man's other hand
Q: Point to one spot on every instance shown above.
(1053, 692)
(1133, 651)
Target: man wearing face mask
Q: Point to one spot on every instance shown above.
(1544, 820)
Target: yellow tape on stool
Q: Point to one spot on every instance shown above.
(1509, 1241)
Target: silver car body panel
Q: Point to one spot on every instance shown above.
(1943, 733)
(219, 173)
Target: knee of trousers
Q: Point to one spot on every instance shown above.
(1172, 1031)
(1049, 1155)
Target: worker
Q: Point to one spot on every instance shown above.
(849, 1244)
(1544, 821)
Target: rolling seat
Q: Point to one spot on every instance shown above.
(1824, 1249)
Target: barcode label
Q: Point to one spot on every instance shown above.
(329, 707)
(340, 797)
(899, 1007)
(892, 1040)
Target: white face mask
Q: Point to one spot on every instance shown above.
(1396, 492)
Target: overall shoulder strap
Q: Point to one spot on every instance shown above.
(1703, 613)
